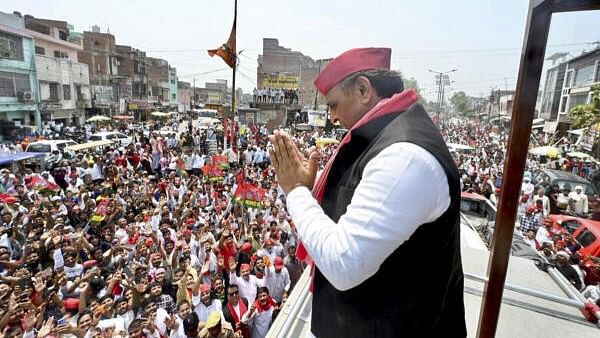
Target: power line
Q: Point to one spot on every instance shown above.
(203, 73)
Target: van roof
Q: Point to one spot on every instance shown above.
(101, 133)
(51, 142)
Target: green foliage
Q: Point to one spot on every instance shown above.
(461, 104)
(586, 115)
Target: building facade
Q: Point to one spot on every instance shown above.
(158, 80)
(568, 84)
(19, 93)
(100, 54)
(280, 67)
(64, 84)
(184, 96)
(133, 79)
(173, 102)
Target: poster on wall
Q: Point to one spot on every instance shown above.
(317, 118)
(281, 82)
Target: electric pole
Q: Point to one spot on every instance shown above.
(443, 81)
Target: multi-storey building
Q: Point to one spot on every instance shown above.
(280, 67)
(64, 83)
(568, 84)
(159, 84)
(19, 94)
(133, 78)
(184, 95)
(100, 54)
(173, 88)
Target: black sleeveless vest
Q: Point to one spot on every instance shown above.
(418, 290)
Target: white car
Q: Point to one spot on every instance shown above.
(115, 136)
(53, 149)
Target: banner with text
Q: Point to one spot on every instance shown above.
(282, 81)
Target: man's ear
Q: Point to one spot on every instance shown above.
(365, 89)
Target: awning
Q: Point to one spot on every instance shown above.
(545, 151)
(88, 145)
(160, 114)
(122, 117)
(577, 131)
(8, 159)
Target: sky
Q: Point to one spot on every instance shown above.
(481, 39)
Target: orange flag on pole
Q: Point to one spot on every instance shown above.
(227, 50)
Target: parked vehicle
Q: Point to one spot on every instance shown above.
(586, 232)
(53, 150)
(546, 178)
(119, 138)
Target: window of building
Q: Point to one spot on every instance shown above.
(63, 35)
(13, 83)
(583, 75)
(53, 91)
(563, 104)
(40, 50)
(173, 96)
(577, 100)
(60, 54)
(79, 93)
(11, 47)
(66, 92)
(568, 79)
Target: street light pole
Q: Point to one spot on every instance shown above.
(441, 87)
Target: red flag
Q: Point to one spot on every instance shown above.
(227, 51)
(5, 198)
(221, 161)
(240, 177)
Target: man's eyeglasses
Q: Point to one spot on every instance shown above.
(233, 293)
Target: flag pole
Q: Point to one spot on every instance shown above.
(232, 131)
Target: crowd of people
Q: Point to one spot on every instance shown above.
(147, 240)
(153, 239)
(482, 173)
(275, 95)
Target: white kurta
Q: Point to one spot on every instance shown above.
(277, 282)
(248, 287)
(402, 187)
(204, 311)
(259, 322)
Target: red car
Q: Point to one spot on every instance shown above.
(587, 233)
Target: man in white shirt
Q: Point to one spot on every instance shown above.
(545, 201)
(204, 305)
(544, 233)
(260, 315)
(579, 201)
(527, 187)
(247, 283)
(278, 279)
(368, 210)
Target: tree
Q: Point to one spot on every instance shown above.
(586, 115)
(461, 103)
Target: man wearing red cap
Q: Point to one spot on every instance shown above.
(246, 282)
(204, 304)
(277, 279)
(368, 210)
